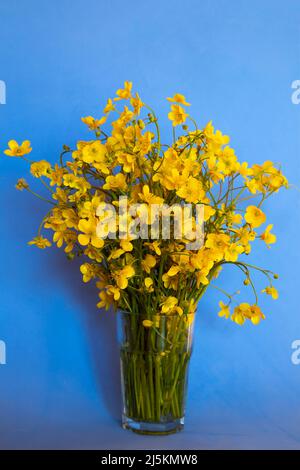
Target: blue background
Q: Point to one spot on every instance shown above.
(235, 61)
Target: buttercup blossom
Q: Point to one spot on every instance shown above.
(41, 168)
(88, 227)
(124, 93)
(255, 216)
(40, 242)
(93, 124)
(270, 290)
(267, 236)
(16, 150)
(225, 311)
(179, 99)
(177, 115)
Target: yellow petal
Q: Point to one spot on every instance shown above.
(147, 323)
(148, 282)
(122, 282)
(173, 271)
(83, 239)
(97, 242)
(13, 144)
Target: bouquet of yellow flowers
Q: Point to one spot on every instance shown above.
(155, 224)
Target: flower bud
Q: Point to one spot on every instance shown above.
(22, 184)
(141, 124)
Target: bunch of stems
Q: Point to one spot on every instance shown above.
(154, 365)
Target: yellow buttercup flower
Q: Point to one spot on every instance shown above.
(149, 284)
(245, 235)
(173, 271)
(169, 278)
(137, 104)
(243, 170)
(109, 106)
(70, 239)
(267, 236)
(93, 253)
(191, 191)
(16, 150)
(116, 182)
(126, 245)
(170, 282)
(170, 306)
(234, 219)
(123, 275)
(114, 292)
(218, 242)
(215, 139)
(241, 313)
(124, 93)
(233, 251)
(225, 311)
(177, 115)
(70, 180)
(128, 162)
(116, 253)
(95, 154)
(270, 290)
(40, 242)
(180, 99)
(106, 300)
(228, 162)
(41, 168)
(154, 246)
(208, 212)
(87, 272)
(256, 314)
(148, 197)
(88, 227)
(148, 263)
(244, 312)
(56, 176)
(92, 123)
(81, 184)
(201, 278)
(254, 216)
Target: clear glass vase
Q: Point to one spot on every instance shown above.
(155, 354)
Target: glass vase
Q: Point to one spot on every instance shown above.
(155, 355)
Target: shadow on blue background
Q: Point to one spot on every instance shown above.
(235, 61)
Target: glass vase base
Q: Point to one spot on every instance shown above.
(152, 428)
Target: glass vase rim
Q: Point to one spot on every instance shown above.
(159, 314)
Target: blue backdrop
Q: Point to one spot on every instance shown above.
(235, 61)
